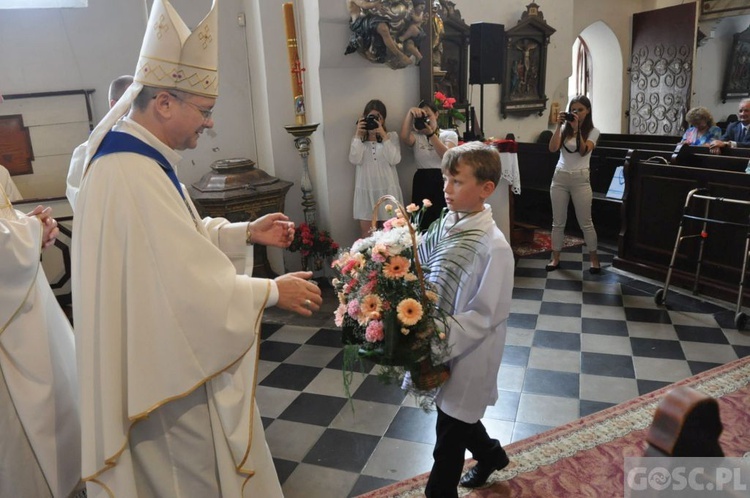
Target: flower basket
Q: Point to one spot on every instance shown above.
(428, 376)
(387, 311)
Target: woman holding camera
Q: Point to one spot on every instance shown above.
(375, 152)
(575, 137)
(420, 131)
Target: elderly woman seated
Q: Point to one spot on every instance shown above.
(702, 128)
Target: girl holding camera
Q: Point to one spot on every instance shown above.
(420, 131)
(575, 137)
(375, 152)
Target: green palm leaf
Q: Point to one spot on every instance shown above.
(445, 257)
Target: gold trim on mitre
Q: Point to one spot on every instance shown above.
(174, 57)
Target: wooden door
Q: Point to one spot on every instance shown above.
(661, 69)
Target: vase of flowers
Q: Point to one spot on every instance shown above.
(447, 113)
(314, 246)
(387, 310)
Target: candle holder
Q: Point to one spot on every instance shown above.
(301, 134)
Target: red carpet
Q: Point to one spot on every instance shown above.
(542, 243)
(585, 458)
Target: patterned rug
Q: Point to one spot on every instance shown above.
(542, 242)
(585, 458)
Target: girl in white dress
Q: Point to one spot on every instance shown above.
(375, 152)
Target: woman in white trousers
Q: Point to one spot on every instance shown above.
(575, 137)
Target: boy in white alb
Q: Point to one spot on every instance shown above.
(480, 307)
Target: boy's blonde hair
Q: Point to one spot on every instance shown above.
(484, 161)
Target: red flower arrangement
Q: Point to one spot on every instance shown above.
(310, 241)
(446, 111)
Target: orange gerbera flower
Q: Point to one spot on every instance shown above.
(371, 304)
(409, 311)
(397, 267)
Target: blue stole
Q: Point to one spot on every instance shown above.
(117, 141)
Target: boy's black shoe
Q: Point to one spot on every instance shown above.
(478, 475)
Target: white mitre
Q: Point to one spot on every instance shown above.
(171, 57)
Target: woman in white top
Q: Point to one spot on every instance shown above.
(375, 152)
(420, 131)
(575, 137)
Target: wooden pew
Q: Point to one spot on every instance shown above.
(666, 146)
(651, 212)
(635, 138)
(730, 159)
(686, 424)
(537, 165)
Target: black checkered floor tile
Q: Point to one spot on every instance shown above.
(577, 343)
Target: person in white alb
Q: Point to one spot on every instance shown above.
(40, 431)
(116, 88)
(167, 331)
(11, 191)
(479, 306)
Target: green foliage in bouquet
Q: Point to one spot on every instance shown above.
(388, 311)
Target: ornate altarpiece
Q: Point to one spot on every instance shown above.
(523, 90)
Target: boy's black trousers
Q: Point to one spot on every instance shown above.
(454, 437)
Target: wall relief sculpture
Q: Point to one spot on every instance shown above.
(388, 31)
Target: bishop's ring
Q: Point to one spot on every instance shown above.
(307, 303)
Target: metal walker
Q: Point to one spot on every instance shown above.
(740, 318)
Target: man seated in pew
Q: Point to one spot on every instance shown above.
(702, 130)
(737, 134)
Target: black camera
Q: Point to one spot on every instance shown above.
(569, 116)
(371, 122)
(421, 122)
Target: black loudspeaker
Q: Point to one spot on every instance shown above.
(486, 53)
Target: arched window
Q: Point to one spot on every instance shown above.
(582, 68)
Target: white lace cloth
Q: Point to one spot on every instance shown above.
(510, 171)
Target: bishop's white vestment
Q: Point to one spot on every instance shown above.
(167, 337)
(39, 424)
